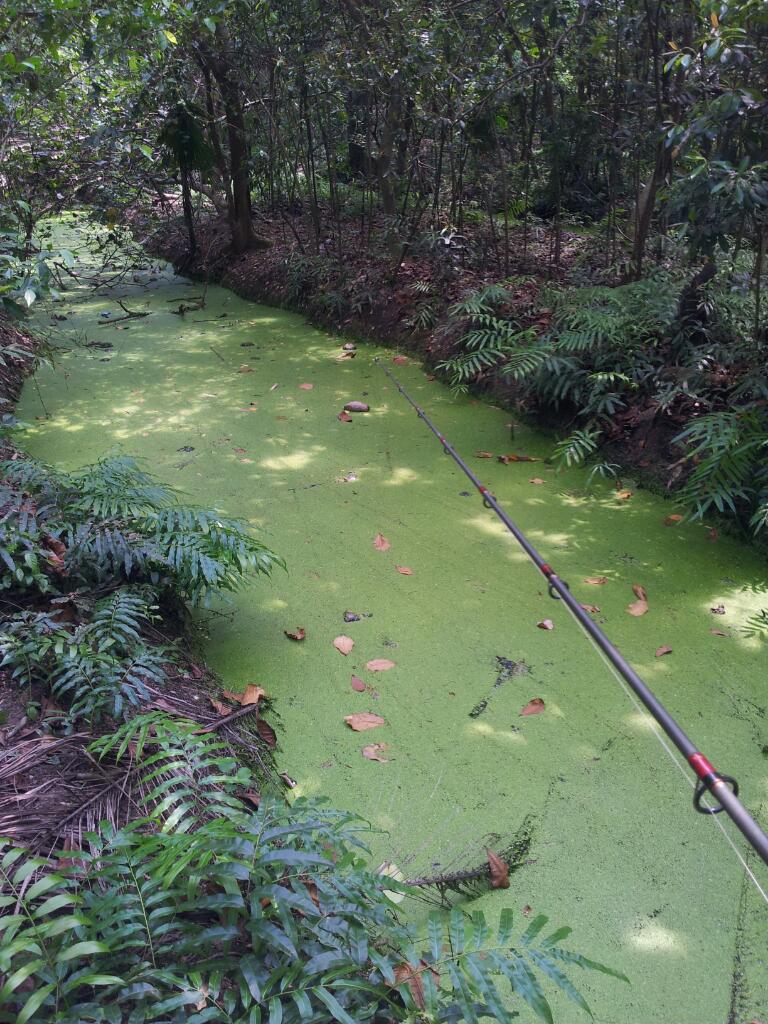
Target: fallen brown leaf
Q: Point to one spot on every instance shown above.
(357, 407)
(533, 707)
(240, 451)
(718, 609)
(363, 720)
(661, 651)
(640, 592)
(245, 368)
(400, 360)
(637, 608)
(381, 543)
(220, 707)
(718, 632)
(591, 608)
(536, 480)
(506, 459)
(358, 684)
(483, 455)
(596, 581)
(412, 977)
(499, 870)
(274, 387)
(380, 665)
(344, 644)
(374, 750)
(546, 624)
(297, 634)
(404, 570)
(267, 733)
(306, 387)
(673, 520)
(713, 534)
(624, 495)
(344, 417)
(250, 695)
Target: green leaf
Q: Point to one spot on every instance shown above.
(34, 1003)
(81, 949)
(275, 1010)
(336, 1009)
(533, 929)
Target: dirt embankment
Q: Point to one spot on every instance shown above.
(17, 359)
(408, 307)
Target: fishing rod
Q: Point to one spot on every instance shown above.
(723, 788)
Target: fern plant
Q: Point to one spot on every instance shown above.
(727, 451)
(247, 916)
(105, 546)
(490, 339)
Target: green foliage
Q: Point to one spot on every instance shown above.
(577, 447)
(230, 914)
(105, 546)
(730, 470)
(490, 339)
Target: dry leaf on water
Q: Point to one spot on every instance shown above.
(536, 480)
(379, 665)
(306, 387)
(245, 368)
(661, 651)
(357, 407)
(483, 455)
(274, 387)
(357, 684)
(374, 750)
(591, 608)
(499, 870)
(344, 417)
(533, 707)
(250, 695)
(624, 495)
(344, 644)
(546, 624)
(527, 910)
(718, 632)
(400, 360)
(363, 720)
(506, 459)
(640, 606)
(404, 570)
(381, 543)
(298, 634)
(673, 520)
(596, 581)
(718, 609)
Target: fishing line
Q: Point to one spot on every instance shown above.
(654, 728)
(724, 788)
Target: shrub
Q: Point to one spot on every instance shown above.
(244, 916)
(103, 547)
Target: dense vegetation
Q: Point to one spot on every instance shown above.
(604, 160)
(564, 202)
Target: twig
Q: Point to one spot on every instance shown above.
(244, 710)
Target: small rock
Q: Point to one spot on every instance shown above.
(357, 407)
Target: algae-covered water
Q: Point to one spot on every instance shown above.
(214, 405)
